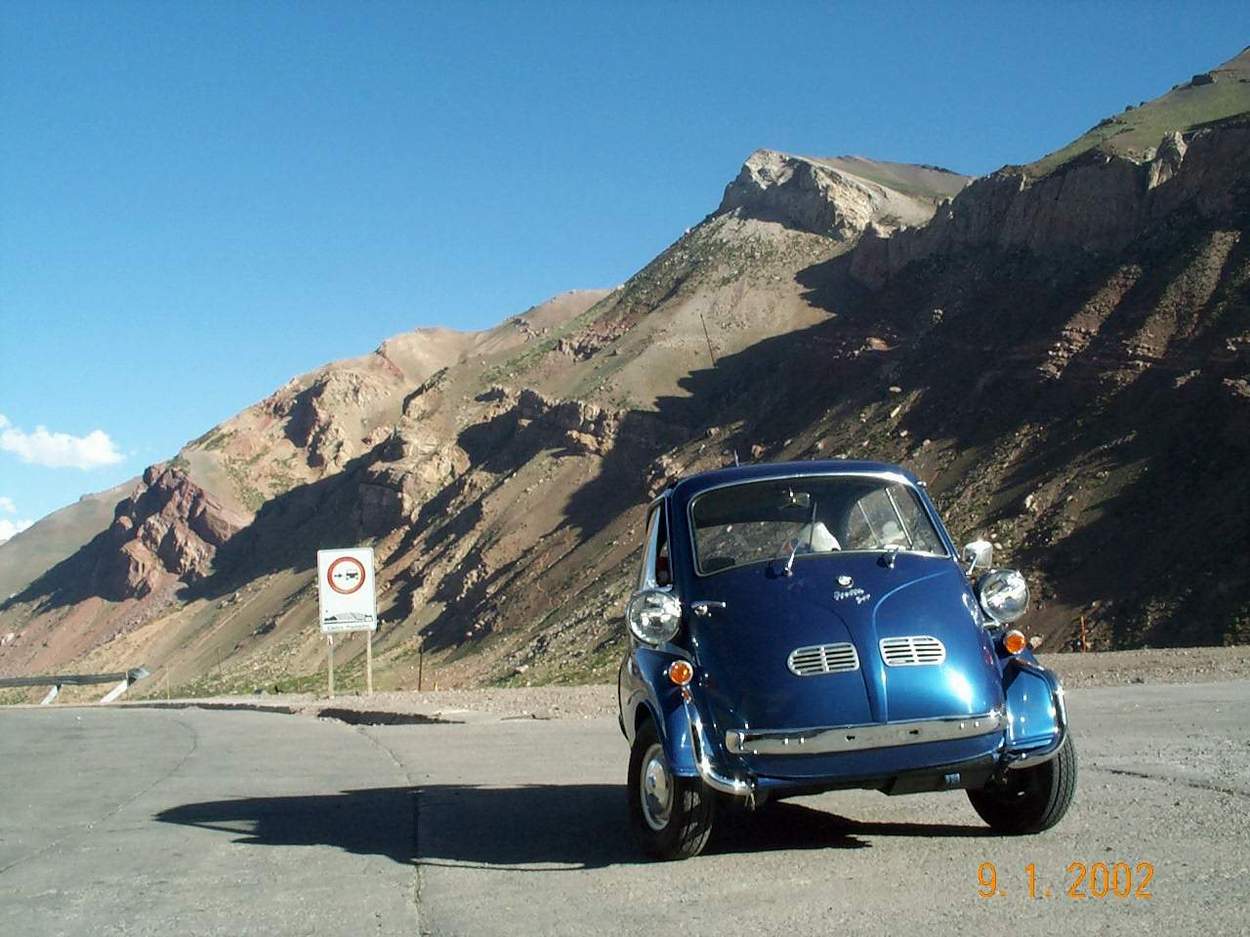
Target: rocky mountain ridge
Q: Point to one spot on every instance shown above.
(1063, 356)
(1099, 202)
(838, 198)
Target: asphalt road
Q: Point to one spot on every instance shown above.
(144, 822)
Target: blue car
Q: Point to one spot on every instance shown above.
(810, 626)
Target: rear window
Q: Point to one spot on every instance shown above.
(758, 521)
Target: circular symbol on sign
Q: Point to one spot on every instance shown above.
(345, 575)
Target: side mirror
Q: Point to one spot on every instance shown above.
(653, 615)
(978, 553)
(1003, 594)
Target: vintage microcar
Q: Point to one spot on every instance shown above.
(805, 627)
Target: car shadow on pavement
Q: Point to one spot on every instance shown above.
(788, 825)
(378, 821)
(550, 827)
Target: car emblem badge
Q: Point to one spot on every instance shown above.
(845, 581)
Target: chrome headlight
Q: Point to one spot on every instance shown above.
(653, 615)
(1003, 594)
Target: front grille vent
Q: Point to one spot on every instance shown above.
(915, 650)
(823, 658)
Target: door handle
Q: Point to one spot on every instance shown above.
(703, 608)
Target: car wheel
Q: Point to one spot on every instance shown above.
(671, 816)
(1029, 800)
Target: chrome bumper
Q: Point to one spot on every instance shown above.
(1037, 756)
(824, 741)
(726, 784)
(863, 737)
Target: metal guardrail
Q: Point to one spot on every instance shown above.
(124, 680)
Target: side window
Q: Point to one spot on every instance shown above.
(647, 549)
(656, 570)
(663, 568)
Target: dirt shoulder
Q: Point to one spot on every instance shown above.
(1153, 665)
(1110, 668)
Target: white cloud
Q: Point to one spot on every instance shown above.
(7, 506)
(10, 528)
(58, 450)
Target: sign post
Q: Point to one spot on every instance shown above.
(348, 601)
(330, 658)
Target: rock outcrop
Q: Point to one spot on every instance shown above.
(580, 426)
(413, 463)
(1097, 203)
(168, 528)
(315, 415)
(828, 197)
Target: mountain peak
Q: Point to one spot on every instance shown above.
(838, 197)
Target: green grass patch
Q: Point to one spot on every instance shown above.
(520, 363)
(249, 496)
(1131, 133)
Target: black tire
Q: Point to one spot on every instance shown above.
(1029, 800)
(680, 832)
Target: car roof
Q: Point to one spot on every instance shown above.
(761, 471)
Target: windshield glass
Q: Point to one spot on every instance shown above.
(758, 521)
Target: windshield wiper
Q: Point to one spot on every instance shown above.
(811, 534)
(789, 569)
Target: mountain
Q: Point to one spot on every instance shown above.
(29, 553)
(1061, 350)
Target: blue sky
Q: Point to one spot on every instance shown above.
(200, 200)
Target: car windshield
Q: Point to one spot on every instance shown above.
(789, 518)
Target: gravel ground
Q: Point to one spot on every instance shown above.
(1109, 668)
(1171, 665)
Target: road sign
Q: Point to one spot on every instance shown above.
(346, 589)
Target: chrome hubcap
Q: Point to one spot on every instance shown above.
(656, 789)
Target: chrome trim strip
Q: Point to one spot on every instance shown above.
(1044, 753)
(714, 779)
(703, 608)
(823, 741)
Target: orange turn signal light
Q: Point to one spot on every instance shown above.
(680, 672)
(1014, 642)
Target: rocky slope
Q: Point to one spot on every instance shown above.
(37, 549)
(1063, 353)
